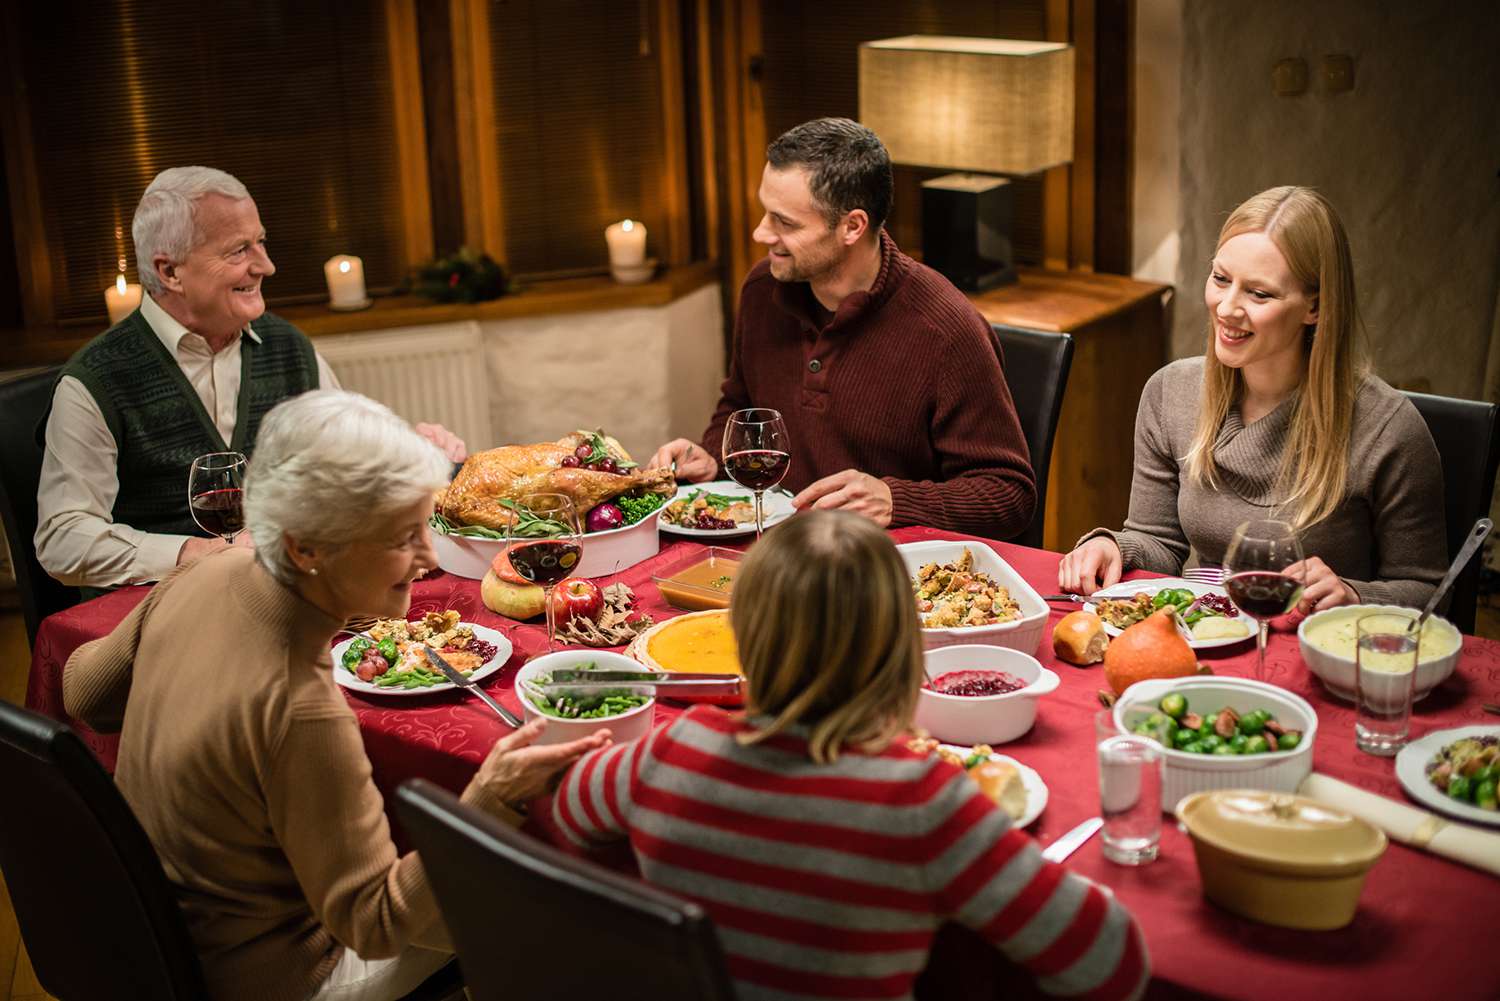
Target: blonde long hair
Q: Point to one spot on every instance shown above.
(827, 631)
(1314, 466)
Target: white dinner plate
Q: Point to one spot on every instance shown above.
(1128, 589)
(777, 505)
(502, 654)
(1036, 789)
(1411, 769)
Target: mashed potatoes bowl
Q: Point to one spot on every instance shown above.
(1327, 642)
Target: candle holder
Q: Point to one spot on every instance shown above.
(634, 274)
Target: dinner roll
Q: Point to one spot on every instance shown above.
(1001, 782)
(1079, 638)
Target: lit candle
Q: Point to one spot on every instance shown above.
(121, 299)
(627, 244)
(346, 282)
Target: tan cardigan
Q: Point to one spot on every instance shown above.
(1386, 540)
(244, 764)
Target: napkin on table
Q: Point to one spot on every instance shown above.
(1451, 839)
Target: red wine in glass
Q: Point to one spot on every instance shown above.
(757, 453)
(546, 562)
(757, 469)
(1262, 594)
(214, 498)
(220, 512)
(1263, 563)
(545, 546)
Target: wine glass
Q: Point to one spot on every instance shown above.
(544, 543)
(214, 493)
(1257, 578)
(757, 453)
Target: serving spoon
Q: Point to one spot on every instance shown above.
(1466, 552)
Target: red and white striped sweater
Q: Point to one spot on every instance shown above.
(830, 881)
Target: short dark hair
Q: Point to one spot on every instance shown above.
(848, 165)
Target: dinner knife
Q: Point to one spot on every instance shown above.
(1069, 843)
(584, 678)
(464, 681)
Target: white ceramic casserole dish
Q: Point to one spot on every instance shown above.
(1024, 634)
(604, 553)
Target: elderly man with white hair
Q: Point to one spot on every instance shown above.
(192, 371)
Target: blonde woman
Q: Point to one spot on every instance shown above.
(827, 852)
(240, 755)
(1280, 418)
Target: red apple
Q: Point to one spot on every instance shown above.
(576, 596)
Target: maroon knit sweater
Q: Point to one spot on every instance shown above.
(904, 383)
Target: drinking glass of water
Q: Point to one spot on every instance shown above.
(1385, 677)
(1130, 780)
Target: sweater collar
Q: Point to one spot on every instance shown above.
(1241, 450)
(284, 612)
(796, 298)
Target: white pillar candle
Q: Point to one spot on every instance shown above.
(346, 282)
(121, 299)
(627, 244)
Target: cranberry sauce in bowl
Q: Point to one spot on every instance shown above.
(975, 683)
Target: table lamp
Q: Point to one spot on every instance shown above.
(982, 106)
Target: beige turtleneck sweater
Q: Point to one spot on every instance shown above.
(1386, 540)
(243, 762)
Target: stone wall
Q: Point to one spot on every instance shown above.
(1409, 157)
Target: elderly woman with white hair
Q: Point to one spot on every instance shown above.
(239, 754)
(193, 370)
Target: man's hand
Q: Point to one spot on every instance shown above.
(1321, 587)
(517, 772)
(196, 548)
(1095, 564)
(694, 464)
(849, 490)
(451, 444)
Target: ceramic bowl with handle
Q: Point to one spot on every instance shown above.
(982, 719)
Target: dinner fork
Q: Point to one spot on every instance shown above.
(1211, 576)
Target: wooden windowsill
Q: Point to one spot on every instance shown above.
(572, 295)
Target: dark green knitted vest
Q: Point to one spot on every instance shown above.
(159, 424)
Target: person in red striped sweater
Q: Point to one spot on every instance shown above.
(827, 852)
(890, 382)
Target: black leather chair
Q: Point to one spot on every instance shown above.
(98, 918)
(580, 931)
(1467, 433)
(22, 403)
(1036, 369)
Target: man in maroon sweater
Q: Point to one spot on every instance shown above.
(889, 380)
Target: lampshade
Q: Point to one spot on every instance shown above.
(978, 104)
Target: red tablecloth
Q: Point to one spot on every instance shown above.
(1425, 925)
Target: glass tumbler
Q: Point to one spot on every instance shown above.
(1130, 780)
(1385, 681)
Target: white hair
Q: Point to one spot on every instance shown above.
(163, 221)
(327, 463)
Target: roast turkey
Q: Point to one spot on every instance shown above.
(510, 473)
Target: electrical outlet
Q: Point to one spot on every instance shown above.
(1338, 73)
(1289, 77)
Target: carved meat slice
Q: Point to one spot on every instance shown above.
(510, 473)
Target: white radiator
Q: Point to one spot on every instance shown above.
(434, 374)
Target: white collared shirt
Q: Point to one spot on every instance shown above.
(76, 539)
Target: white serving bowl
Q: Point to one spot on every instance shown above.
(1185, 774)
(604, 553)
(1024, 634)
(983, 719)
(627, 726)
(1337, 672)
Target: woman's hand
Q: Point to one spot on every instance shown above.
(1321, 587)
(517, 772)
(1095, 564)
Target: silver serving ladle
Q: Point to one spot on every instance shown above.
(1471, 545)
